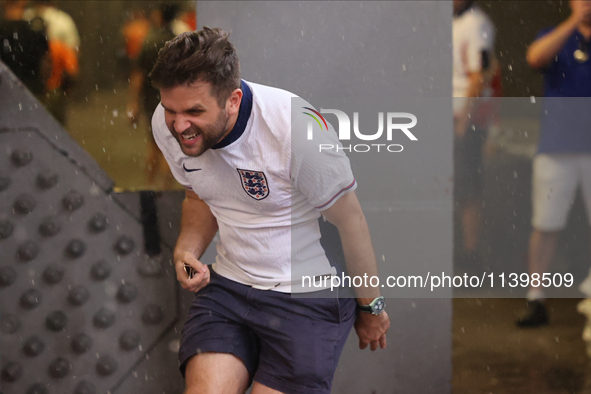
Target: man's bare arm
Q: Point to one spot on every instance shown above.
(347, 216)
(542, 51)
(478, 81)
(198, 227)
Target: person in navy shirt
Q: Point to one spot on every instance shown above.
(563, 160)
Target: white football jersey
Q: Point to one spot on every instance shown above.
(266, 191)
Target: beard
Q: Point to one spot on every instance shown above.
(210, 135)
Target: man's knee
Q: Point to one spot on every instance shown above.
(216, 373)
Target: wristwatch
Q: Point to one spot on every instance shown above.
(375, 307)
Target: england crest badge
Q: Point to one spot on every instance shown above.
(254, 183)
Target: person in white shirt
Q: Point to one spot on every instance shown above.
(251, 174)
(60, 25)
(473, 67)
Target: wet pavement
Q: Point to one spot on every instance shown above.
(492, 355)
(102, 127)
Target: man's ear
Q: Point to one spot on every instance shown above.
(233, 102)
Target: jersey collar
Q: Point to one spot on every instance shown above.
(241, 121)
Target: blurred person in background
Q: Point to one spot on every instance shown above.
(64, 43)
(64, 72)
(60, 25)
(189, 17)
(136, 29)
(563, 159)
(474, 66)
(181, 23)
(23, 46)
(144, 99)
(134, 34)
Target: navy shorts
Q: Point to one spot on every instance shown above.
(289, 344)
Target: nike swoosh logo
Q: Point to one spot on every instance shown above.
(191, 169)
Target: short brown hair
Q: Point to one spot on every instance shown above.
(204, 55)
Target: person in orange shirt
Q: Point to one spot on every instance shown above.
(64, 70)
(134, 33)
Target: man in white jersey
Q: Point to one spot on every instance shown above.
(230, 143)
(473, 67)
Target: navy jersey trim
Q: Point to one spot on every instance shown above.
(338, 194)
(243, 116)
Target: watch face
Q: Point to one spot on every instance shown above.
(378, 306)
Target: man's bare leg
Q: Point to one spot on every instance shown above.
(542, 248)
(216, 373)
(471, 223)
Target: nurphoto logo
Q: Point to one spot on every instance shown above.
(395, 122)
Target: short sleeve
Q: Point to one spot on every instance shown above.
(544, 32)
(169, 147)
(481, 41)
(319, 168)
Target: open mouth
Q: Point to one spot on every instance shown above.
(189, 137)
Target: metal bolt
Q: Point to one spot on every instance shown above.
(49, 227)
(106, 366)
(47, 179)
(81, 343)
(7, 276)
(11, 372)
(73, 200)
(53, 274)
(6, 229)
(129, 340)
(124, 245)
(78, 295)
(104, 318)
(153, 314)
(21, 158)
(25, 203)
(56, 321)
(127, 293)
(59, 368)
(98, 222)
(27, 251)
(75, 248)
(100, 270)
(30, 299)
(33, 346)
